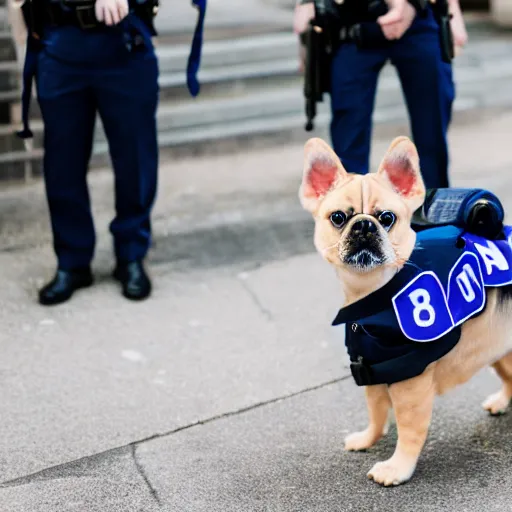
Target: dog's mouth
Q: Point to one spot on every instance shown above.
(363, 255)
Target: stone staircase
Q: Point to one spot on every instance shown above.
(250, 89)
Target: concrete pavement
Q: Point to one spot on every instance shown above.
(228, 390)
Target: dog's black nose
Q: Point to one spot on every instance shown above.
(364, 227)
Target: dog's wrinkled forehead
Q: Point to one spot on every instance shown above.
(347, 196)
(377, 196)
(362, 194)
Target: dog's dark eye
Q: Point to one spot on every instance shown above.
(338, 219)
(387, 219)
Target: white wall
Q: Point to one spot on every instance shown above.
(501, 12)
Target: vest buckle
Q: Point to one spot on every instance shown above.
(361, 372)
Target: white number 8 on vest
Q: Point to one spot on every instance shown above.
(420, 299)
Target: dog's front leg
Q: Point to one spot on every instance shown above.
(412, 402)
(379, 403)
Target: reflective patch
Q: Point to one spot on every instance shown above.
(422, 309)
(466, 290)
(427, 309)
(495, 257)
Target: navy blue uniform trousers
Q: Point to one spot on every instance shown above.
(429, 92)
(79, 74)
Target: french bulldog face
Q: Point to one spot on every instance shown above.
(362, 223)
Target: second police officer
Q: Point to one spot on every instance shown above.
(412, 45)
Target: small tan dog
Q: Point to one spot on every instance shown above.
(367, 259)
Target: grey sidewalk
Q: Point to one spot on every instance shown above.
(113, 406)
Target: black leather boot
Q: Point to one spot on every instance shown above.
(133, 278)
(63, 285)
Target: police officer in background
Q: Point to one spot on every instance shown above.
(426, 80)
(89, 57)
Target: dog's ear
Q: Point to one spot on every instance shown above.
(400, 168)
(322, 171)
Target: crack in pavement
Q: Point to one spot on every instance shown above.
(142, 473)
(60, 470)
(255, 299)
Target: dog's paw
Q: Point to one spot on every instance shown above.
(360, 441)
(391, 472)
(497, 403)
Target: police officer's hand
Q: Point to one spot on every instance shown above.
(111, 12)
(302, 16)
(398, 19)
(460, 35)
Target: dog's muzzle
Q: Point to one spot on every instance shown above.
(363, 249)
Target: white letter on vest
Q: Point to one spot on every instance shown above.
(465, 286)
(492, 256)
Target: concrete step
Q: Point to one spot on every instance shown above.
(222, 32)
(224, 19)
(7, 49)
(4, 18)
(235, 51)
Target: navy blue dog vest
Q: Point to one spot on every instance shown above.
(394, 333)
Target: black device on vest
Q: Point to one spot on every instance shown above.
(478, 211)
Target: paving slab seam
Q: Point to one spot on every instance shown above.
(27, 479)
(144, 476)
(246, 409)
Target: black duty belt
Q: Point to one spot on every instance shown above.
(80, 15)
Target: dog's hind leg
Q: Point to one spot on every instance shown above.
(498, 402)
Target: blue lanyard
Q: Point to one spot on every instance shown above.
(194, 58)
(29, 71)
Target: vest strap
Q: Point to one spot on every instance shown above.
(404, 367)
(377, 301)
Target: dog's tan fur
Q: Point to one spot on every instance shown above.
(484, 340)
